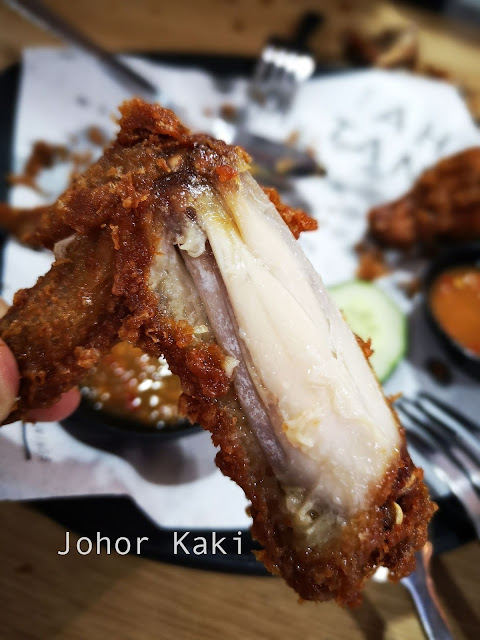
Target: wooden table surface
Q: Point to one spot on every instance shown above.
(44, 595)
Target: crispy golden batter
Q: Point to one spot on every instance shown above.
(444, 204)
(296, 219)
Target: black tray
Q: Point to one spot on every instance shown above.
(118, 516)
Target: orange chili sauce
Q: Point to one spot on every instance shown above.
(455, 302)
(130, 384)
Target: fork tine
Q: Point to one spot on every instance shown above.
(278, 74)
(279, 79)
(455, 478)
(263, 69)
(286, 89)
(462, 455)
(281, 85)
(450, 472)
(453, 414)
(283, 65)
(462, 436)
(263, 88)
(436, 421)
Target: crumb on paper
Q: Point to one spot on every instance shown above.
(229, 112)
(284, 165)
(292, 138)
(371, 264)
(96, 136)
(43, 156)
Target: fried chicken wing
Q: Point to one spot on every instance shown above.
(444, 204)
(168, 242)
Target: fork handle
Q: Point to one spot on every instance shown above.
(308, 24)
(421, 588)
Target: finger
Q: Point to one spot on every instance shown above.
(3, 307)
(9, 380)
(64, 407)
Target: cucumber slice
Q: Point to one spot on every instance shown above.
(370, 313)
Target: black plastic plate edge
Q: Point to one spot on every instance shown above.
(118, 516)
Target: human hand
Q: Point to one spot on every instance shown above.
(10, 382)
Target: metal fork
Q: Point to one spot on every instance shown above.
(421, 587)
(283, 66)
(449, 443)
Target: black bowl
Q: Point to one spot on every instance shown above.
(466, 255)
(101, 428)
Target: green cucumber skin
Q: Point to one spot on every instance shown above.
(353, 288)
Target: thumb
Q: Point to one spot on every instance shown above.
(9, 380)
(9, 376)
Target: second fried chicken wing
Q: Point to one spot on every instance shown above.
(443, 204)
